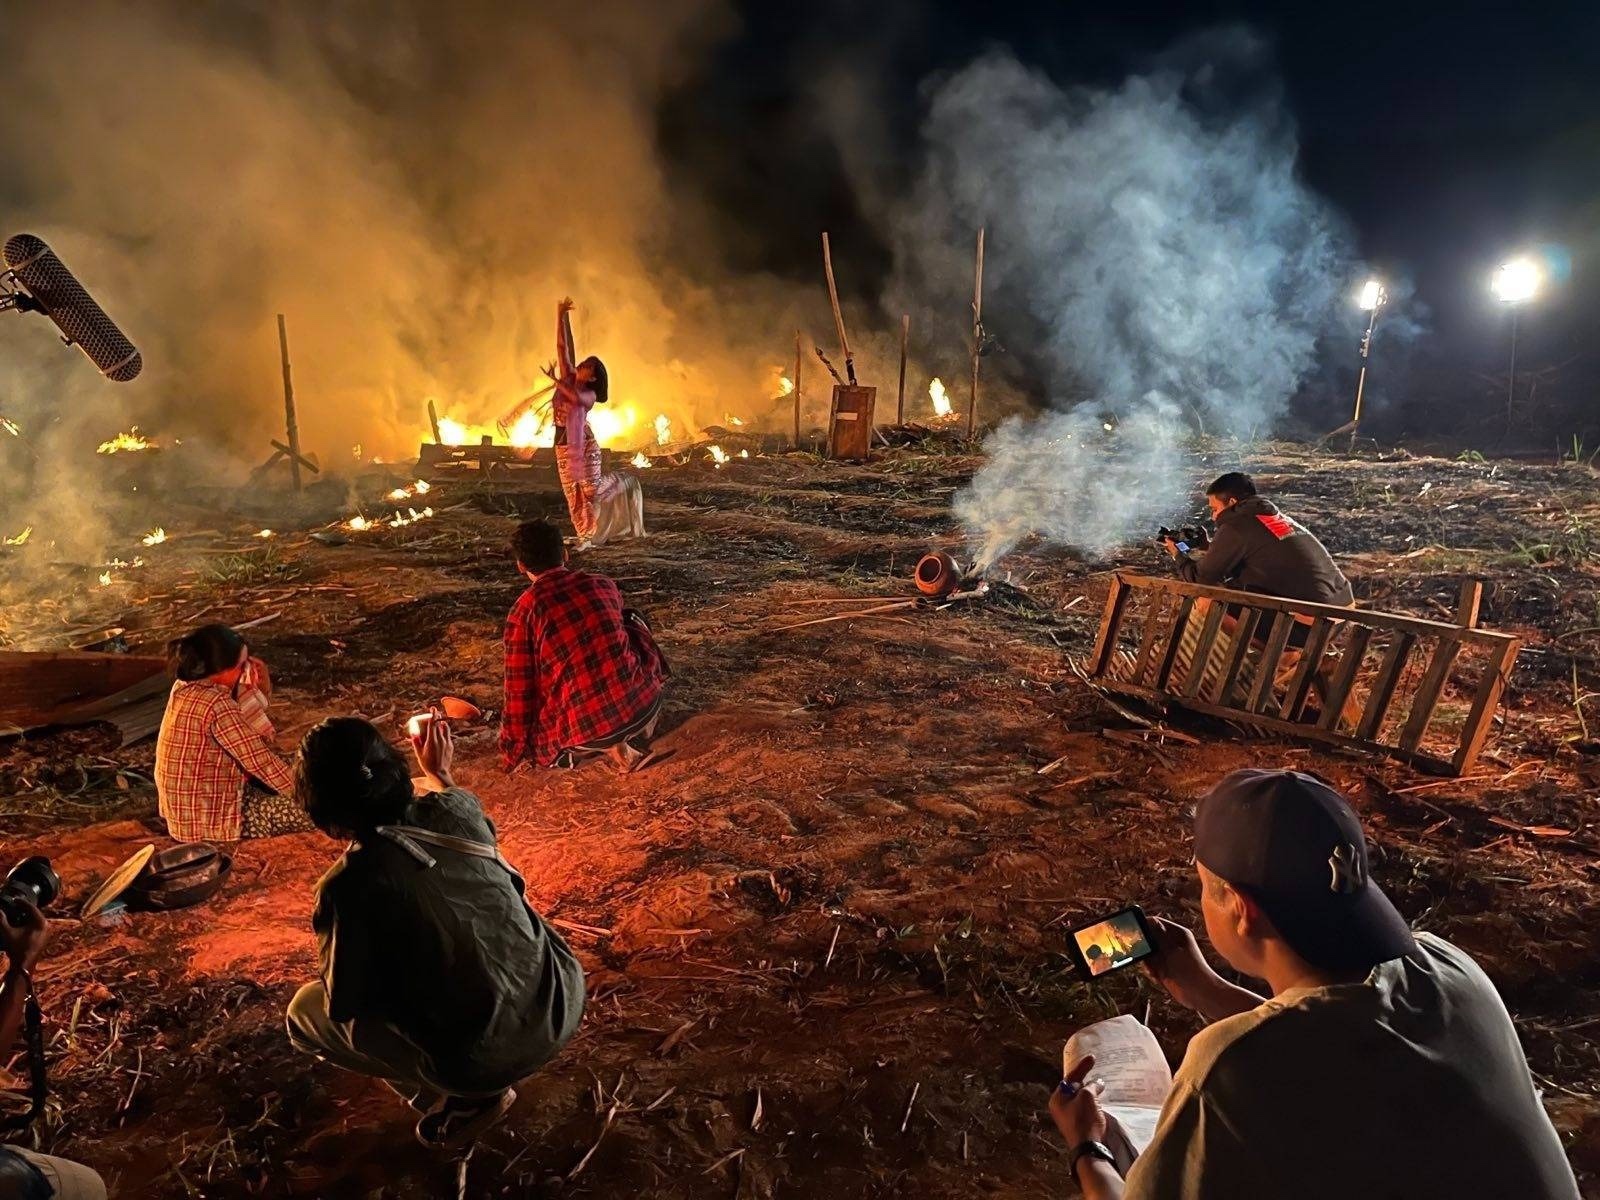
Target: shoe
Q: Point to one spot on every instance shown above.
(423, 1100)
(460, 1120)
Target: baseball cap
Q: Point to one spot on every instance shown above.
(1295, 845)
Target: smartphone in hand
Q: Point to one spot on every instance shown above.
(1110, 943)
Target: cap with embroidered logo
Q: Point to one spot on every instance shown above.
(1295, 845)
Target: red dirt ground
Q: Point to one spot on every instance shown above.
(846, 884)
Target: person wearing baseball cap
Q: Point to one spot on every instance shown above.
(1383, 1065)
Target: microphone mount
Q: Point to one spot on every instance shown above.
(14, 299)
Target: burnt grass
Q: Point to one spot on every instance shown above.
(824, 933)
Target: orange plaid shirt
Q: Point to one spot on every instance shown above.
(206, 755)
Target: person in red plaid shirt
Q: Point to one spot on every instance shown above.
(218, 775)
(583, 675)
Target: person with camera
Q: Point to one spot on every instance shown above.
(25, 1174)
(1382, 1063)
(437, 976)
(1256, 548)
(583, 674)
(218, 776)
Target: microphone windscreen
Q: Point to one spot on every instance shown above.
(64, 300)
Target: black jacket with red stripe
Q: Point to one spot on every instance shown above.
(1258, 549)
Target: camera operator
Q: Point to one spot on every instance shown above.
(24, 1174)
(437, 975)
(1384, 1063)
(1258, 549)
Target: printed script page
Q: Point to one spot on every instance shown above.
(1128, 1060)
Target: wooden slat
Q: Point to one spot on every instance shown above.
(1470, 602)
(1110, 626)
(1378, 620)
(1174, 637)
(1310, 661)
(1267, 667)
(1202, 652)
(1244, 631)
(1495, 678)
(1150, 637)
(1345, 677)
(1383, 686)
(1426, 698)
(1278, 725)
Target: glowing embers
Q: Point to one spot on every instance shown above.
(125, 442)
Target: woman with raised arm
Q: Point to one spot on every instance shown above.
(603, 507)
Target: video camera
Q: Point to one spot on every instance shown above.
(32, 881)
(1186, 537)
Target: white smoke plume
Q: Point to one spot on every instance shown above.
(1176, 269)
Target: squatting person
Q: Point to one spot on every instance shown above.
(437, 976)
(1383, 1064)
(583, 675)
(218, 775)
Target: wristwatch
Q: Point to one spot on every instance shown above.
(1089, 1149)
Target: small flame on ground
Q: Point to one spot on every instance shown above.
(718, 454)
(640, 460)
(733, 420)
(265, 533)
(663, 430)
(21, 538)
(132, 440)
(356, 450)
(785, 386)
(10, 426)
(941, 400)
(744, 454)
(399, 520)
(155, 537)
(105, 578)
(358, 523)
(422, 487)
(400, 494)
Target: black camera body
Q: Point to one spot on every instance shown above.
(1190, 537)
(32, 881)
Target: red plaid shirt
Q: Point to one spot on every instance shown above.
(576, 671)
(206, 755)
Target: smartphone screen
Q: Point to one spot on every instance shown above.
(1111, 943)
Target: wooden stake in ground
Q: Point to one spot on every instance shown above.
(905, 338)
(977, 338)
(288, 406)
(838, 316)
(433, 422)
(797, 389)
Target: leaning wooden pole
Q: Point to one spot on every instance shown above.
(433, 422)
(977, 339)
(905, 339)
(290, 420)
(838, 316)
(797, 358)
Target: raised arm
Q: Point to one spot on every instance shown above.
(251, 751)
(566, 353)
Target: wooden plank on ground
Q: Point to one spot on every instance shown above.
(1428, 691)
(1170, 656)
(1294, 700)
(1345, 677)
(1202, 653)
(1244, 632)
(1110, 626)
(1150, 636)
(1267, 667)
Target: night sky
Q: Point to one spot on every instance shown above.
(1451, 136)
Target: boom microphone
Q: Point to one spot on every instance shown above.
(58, 294)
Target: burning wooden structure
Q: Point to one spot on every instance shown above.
(1229, 654)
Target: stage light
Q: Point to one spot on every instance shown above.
(1517, 280)
(1372, 296)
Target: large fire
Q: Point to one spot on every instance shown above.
(663, 430)
(132, 440)
(536, 428)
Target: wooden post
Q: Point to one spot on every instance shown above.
(838, 317)
(905, 338)
(797, 357)
(433, 422)
(977, 338)
(288, 406)
(1471, 601)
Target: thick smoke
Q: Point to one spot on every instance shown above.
(1176, 270)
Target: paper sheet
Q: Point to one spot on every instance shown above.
(1128, 1060)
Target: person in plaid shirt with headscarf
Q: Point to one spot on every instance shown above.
(583, 675)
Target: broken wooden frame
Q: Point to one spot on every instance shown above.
(1380, 678)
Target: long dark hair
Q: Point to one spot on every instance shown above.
(206, 651)
(602, 381)
(349, 779)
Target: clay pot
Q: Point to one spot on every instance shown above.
(938, 574)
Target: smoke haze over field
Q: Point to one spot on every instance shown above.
(1157, 238)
